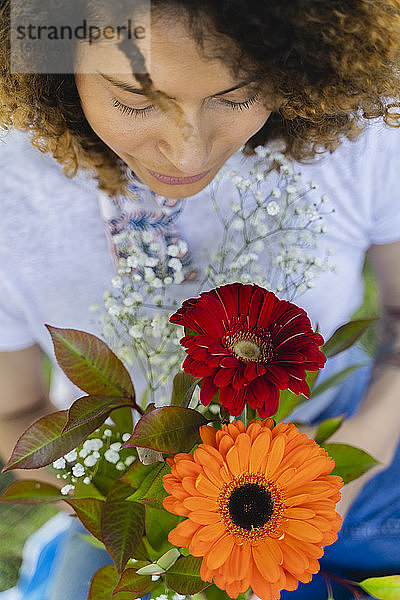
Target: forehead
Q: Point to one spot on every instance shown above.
(172, 56)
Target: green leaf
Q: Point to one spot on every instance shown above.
(289, 401)
(184, 576)
(90, 364)
(170, 429)
(136, 585)
(92, 541)
(141, 552)
(383, 588)
(328, 428)
(123, 420)
(334, 380)
(31, 492)
(350, 462)
(156, 493)
(122, 525)
(88, 408)
(345, 336)
(103, 584)
(184, 385)
(89, 512)
(158, 525)
(43, 441)
(147, 482)
(135, 475)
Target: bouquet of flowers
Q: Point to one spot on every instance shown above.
(214, 494)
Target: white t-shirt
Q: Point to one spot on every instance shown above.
(55, 259)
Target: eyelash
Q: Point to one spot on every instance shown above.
(142, 112)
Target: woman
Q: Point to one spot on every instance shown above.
(221, 75)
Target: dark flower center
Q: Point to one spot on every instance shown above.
(250, 506)
(249, 346)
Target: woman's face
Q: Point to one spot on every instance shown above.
(175, 156)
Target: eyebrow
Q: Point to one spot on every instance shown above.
(130, 88)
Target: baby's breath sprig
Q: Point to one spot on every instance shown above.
(270, 236)
(82, 463)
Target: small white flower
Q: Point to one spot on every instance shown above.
(273, 208)
(78, 470)
(325, 199)
(149, 275)
(168, 280)
(116, 446)
(71, 456)
(59, 463)
(93, 444)
(147, 237)
(173, 250)
(111, 456)
(276, 192)
(107, 433)
(136, 332)
(129, 460)
(125, 437)
(86, 481)
(120, 466)
(179, 277)
(90, 460)
(67, 489)
(175, 264)
(116, 282)
(237, 224)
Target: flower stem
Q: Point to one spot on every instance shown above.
(224, 414)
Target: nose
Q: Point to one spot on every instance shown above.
(185, 144)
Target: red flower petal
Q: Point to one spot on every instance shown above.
(208, 390)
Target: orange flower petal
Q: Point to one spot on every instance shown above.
(297, 499)
(205, 517)
(174, 506)
(188, 486)
(213, 473)
(232, 459)
(200, 503)
(212, 532)
(303, 530)
(233, 429)
(297, 513)
(207, 434)
(258, 451)
(265, 562)
(275, 455)
(187, 468)
(261, 587)
(183, 533)
(243, 445)
(220, 551)
(224, 445)
(205, 487)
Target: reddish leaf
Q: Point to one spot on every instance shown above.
(135, 584)
(31, 492)
(103, 584)
(90, 364)
(122, 525)
(169, 429)
(43, 441)
(89, 511)
(88, 408)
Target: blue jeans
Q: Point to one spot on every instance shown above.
(369, 541)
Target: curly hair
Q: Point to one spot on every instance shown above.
(331, 66)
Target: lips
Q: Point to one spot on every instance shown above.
(177, 180)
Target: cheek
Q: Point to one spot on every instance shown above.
(118, 131)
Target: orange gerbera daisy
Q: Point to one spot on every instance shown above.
(260, 506)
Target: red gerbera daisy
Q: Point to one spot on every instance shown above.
(249, 346)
